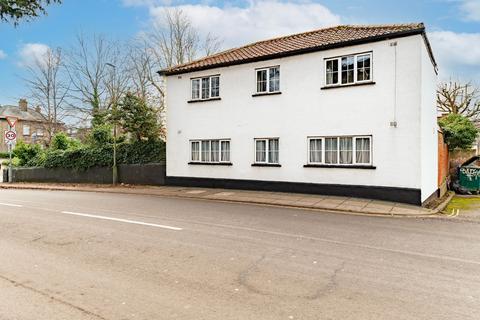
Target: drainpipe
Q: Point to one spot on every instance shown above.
(394, 122)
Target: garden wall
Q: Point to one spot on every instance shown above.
(144, 174)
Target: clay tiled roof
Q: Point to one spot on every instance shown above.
(316, 40)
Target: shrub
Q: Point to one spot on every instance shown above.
(100, 135)
(459, 132)
(26, 152)
(15, 162)
(63, 142)
(4, 155)
(93, 156)
(149, 151)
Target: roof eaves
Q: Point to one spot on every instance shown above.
(381, 37)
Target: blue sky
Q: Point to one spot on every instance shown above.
(453, 26)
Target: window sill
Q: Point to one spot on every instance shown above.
(266, 165)
(266, 94)
(204, 100)
(343, 166)
(212, 163)
(348, 85)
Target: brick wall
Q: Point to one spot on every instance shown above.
(34, 126)
(443, 164)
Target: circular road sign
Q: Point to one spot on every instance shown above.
(11, 135)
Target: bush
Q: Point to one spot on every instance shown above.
(89, 156)
(149, 151)
(100, 135)
(69, 153)
(63, 142)
(4, 155)
(459, 132)
(26, 152)
(15, 163)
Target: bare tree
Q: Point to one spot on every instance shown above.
(144, 79)
(117, 80)
(211, 45)
(176, 39)
(173, 42)
(87, 69)
(464, 99)
(49, 87)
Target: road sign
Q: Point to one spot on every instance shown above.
(10, 136)
(11, 121)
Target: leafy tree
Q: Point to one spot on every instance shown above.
(63, 142)
(138, 119)
(459, 131)
(16, 10)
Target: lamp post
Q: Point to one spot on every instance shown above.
(114, 114)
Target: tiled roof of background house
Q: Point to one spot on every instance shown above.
(15, 111)
(316, 40)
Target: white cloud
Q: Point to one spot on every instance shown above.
(3, 55)
(458, 54)
(471, 9)
(30, 53)
(256, 21)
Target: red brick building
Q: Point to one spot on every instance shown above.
(31, 126)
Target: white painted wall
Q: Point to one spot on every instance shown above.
(304, 110)
(429, 127)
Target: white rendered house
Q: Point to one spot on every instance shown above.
(348, 110)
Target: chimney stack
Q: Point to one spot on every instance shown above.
(23, 104)
(37, 108)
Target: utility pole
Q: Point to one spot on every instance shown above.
(114, 114)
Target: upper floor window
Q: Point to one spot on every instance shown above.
(205, 88)
(340, 150)
(268, 80)
(267, 151)
(214, 151)
(26, 130)
(39, 132)
(348, 69)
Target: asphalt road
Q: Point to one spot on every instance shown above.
(76, 255)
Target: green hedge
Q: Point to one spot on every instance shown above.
(4, 155)
(86, 157)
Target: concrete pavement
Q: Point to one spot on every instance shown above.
(79, 255)
(293, 200)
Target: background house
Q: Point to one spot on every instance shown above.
(31, 127)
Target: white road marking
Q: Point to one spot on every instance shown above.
(122, 220)
(10, 205)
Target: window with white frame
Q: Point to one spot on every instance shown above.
(268, 80)
(348, 150)
(26, 130)
(348, 69)
(267, 150)
(205, 88)
(211, 151)
(40, 132)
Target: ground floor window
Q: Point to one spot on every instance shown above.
(344, 150)
(267, 150)
(214, 151)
